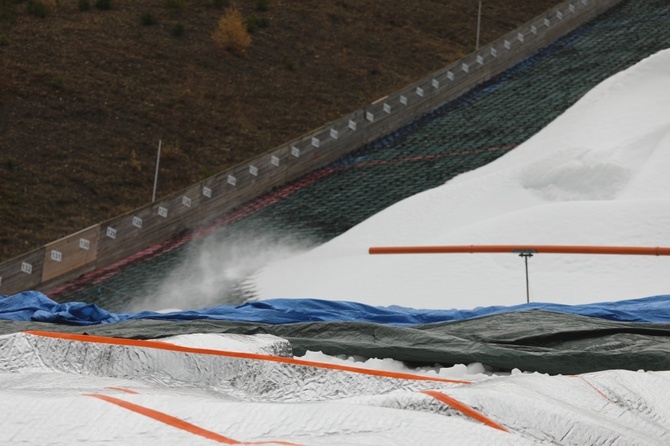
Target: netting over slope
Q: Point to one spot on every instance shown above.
(462, 135)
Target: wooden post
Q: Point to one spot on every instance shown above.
(479, 22)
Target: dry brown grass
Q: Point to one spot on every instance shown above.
(231, 33)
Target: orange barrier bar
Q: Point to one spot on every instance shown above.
(518, 249)
(465, 409)
(254, 356)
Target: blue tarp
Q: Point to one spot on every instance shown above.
(35, 306)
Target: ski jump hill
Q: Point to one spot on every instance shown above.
(585, 127)
(476, 128)
(488, 112)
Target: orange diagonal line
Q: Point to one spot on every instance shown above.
(178, 348)
(592, 386)
(121, 389)
(165, 418)
(465, 409)
(176, 422)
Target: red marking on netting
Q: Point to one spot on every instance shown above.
(432, 156)
(102, 274)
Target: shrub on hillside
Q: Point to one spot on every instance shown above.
(103, 5)
(149, 19)
(84, 5)
(261, 5)
(175, 5)
(37, 8)
(57, 82)
(8, 11)
(253, 22)
(220, 4)
(178, 29)
(288, 63)
(231, 33)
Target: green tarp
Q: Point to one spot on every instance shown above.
(537, 340)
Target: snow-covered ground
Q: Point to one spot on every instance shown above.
(596, 176)
(96, 391)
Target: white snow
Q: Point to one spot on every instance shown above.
(261, 343)
(60, 391)
(596, 176)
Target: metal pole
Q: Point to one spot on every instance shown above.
(479, 22)
(525, 253)
(525, 258)
(158, 161)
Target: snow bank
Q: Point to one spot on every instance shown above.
(596, 176)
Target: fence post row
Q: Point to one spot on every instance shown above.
(111, 241)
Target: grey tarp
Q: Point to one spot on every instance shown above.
(536, 340)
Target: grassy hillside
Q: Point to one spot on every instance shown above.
(87, 93)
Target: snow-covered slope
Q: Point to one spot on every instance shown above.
(598, 175)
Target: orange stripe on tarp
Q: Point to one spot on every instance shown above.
(176, 422)
(465, 409)
(254, 356)
(121, 389)
(592, 386)
(165, 418)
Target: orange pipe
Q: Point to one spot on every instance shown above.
(518, 249)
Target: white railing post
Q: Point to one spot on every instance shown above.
(158, 161)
